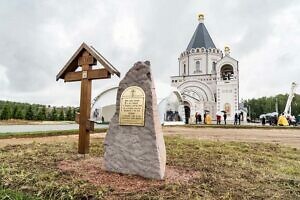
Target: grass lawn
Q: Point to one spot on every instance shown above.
(225, 170)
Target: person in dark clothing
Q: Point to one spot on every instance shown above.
(236, 118)
(240, 116)
(225, 117)
(271, 121)
(199, 118)
(263, 121)
(218, 119)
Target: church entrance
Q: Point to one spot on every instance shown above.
(187, 111)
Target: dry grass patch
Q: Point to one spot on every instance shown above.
(195, 170)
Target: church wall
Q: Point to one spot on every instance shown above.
(228, 90)
(206, 60)
(227, 98)
(193, 59)
(213, 58)
(211, 106)
(183, 61)
(210, 80)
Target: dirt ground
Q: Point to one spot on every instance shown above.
(92, 170)
(279, 136)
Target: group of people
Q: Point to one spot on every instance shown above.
(273, 120)
(224, 118)
(198, 118)
(282, 120)
(172, 116)
(206, 118)
(238, 118)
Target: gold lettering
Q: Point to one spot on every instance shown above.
(132, 107)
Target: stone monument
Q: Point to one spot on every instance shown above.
(134, 143)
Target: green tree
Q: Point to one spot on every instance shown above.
(53, 114)
(74, 114)
(5, 115)
(42, 114)
(29, 113)
(61, 116)
(14, 112)
(268, 104)
(69, 114)
(19, 114)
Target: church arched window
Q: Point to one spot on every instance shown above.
(214, 67)
(198, 66)
(184, 69)
(227, 72)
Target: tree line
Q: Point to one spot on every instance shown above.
(26, 111)
(258, 106)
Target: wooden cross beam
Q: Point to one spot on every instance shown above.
(85, 57)
(91, 74)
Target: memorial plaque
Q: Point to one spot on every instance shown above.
(132, 107)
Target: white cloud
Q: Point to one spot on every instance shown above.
(38, 37)
(4, 82)
(126, 34)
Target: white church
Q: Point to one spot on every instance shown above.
(207, 82)
(208, 79)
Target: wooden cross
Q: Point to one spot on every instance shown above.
(85, 57)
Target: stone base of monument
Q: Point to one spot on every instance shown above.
(134, 143)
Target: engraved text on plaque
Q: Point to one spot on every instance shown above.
(132, 107)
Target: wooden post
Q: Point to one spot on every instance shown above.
(85, 105)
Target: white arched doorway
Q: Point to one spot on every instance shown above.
(187, 112)
(199, 97)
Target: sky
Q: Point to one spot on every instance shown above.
(38, 37)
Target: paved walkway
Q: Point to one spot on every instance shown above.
(41, 127)
(281, 136)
